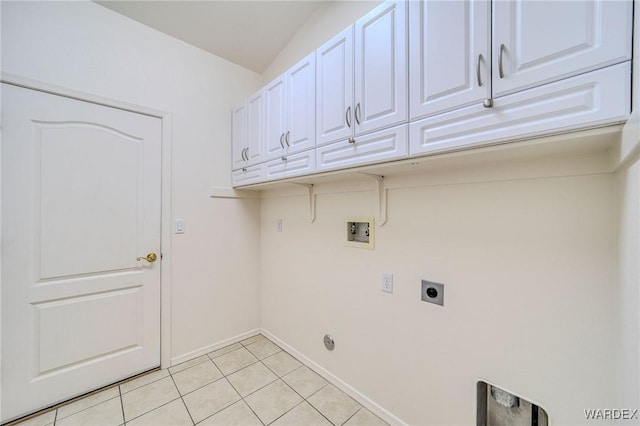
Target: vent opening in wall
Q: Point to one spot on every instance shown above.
(360, 232)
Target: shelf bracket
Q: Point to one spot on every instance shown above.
(381, 193)
(312, 199)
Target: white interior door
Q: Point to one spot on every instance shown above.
(80, 202)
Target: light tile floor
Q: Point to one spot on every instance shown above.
(252, 382)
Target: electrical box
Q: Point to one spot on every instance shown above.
(360, 232)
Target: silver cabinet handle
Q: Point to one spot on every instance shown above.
(500, 69)
(282, 143)
(284, 158)
(357, 113)
(478, 76)
(351, 140)
(246, 153)
(286, 138)
(242, 154)
(488, 103)
(348, 116)
(244, 169)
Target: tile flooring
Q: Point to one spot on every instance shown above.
(252, 382)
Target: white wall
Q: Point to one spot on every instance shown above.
(329, 20)
(85, 47)
(527, 253)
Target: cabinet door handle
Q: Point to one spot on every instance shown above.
(488, 103)
(246, 154)
(282, 143)
(242, 154)
(351, 140)
(348, 116)
(286, 138)
(478, 76)
(284, 158)
(500, 69)
(357, 113)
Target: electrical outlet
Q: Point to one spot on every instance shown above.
(387, 283)
(279, 225)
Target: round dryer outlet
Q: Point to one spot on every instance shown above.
(328, 342)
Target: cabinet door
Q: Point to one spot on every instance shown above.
(449, 55)
(248, 175)
(301, 107)
(381, 67)
(384, 145)
(292, 165)
(334, 88)
(238, 136)
(536, 42)
(255, 128)
(275, 117)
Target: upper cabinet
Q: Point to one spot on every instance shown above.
(247, 133)
(361, 78)
(537, 42)
(450, 55)
(290, 111)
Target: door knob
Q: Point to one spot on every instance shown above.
(151, 257)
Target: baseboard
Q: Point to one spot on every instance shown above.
(210, 348)
(340, 384)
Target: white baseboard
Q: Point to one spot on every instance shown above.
(340, 384)
(210, 348)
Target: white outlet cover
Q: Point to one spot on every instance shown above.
(387, 283)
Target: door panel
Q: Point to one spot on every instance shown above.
(449, 45)
(301, 129)
(334, 88)
(548, 41)
(275, 117)
(239, 136)
(255, 128)
(381, 68)
(80, 201)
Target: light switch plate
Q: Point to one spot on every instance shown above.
(179, 226)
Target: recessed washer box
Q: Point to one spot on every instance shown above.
(360, 232)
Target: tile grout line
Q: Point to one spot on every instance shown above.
(243, 400)
(351, 416)
(124, 419)
(180, 393)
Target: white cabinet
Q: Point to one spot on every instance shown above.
(377, 147)
(449, 54)
(247, 132)
(381, 67)
(591, 99)
(362, 76)
(334, 88)
(247, 175)
(290, 114)
(537, 42)
(299, 164)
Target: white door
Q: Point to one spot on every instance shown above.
(255, 128)
(275, 117)
(301, 106)
(80, 202)
(537, 42)
(381, 67)
(450, 57)
(239, 136)
(334, 88)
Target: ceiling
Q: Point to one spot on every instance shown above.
(248, 33)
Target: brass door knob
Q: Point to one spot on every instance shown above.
(151, 257)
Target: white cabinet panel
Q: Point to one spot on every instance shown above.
(591, 99)
(238, 136)
(334, 88)
(247, 175)
(537, 42)
(255, 128)
(275, 117)
(449, 54)
(301, 111)
(385, 145)
(292, 165)
(381, 67)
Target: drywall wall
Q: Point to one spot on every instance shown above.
(526, 251)
(88, 48)
(329, 20)
(628, 290)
